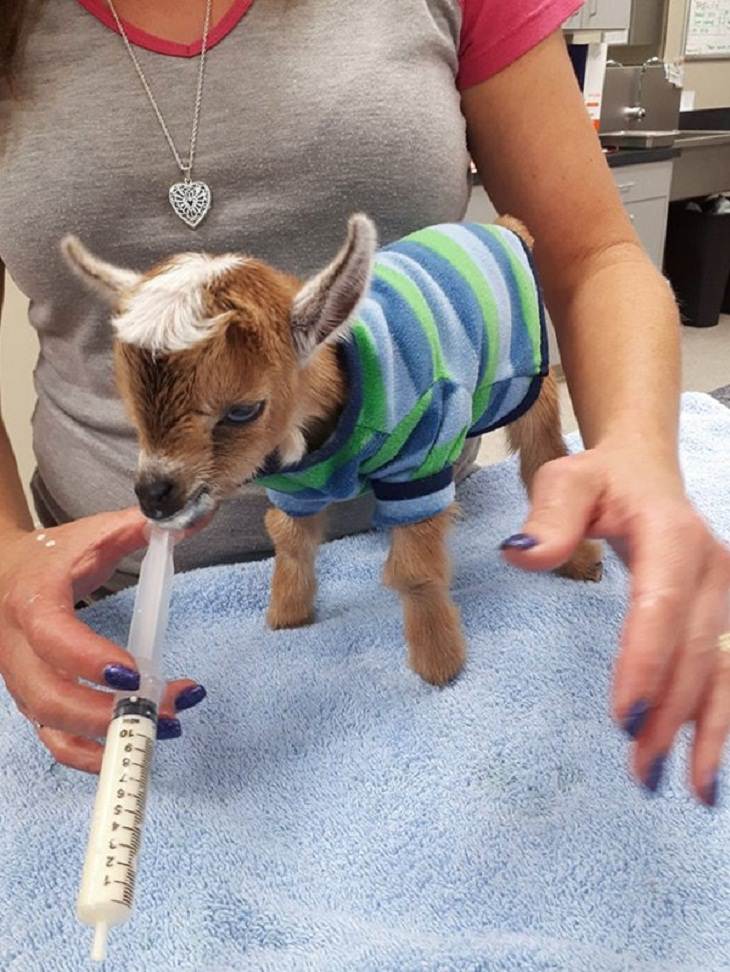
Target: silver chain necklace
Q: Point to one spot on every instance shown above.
(190, 200)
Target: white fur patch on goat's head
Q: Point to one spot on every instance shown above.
(164, 310)
(167, 311)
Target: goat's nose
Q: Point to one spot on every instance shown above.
(158, 498)
(158, 489)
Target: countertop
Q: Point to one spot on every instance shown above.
(622, 157)
(640, 156)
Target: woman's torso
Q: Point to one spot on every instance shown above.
(311, 110)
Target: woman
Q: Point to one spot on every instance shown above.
(308, 111)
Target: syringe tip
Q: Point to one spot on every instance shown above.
(98, 949)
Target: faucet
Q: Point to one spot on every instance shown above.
(638, 112)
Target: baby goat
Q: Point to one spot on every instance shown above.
(370, 375)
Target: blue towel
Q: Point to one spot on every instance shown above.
(327, 810)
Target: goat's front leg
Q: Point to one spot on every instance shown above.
(294, 585)
(418, 568)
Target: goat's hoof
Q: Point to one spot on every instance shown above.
(585, 564)
(438, 667)
(288, 616)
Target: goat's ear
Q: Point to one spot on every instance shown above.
(106, 279)
(326, 303)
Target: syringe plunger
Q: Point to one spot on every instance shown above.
(98, 949)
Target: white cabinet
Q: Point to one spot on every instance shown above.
(644, 191)
(575, 22)
(607, 14)
(649, 217)
(601, 15)
(480, 208)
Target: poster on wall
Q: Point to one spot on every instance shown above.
(707, 32)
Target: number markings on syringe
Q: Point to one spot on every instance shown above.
(139, 796)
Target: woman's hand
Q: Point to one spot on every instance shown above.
(669, 669)
(45, 648)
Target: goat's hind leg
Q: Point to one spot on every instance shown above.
(418, 568)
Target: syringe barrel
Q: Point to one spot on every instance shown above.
(107, 883)
(151, 604)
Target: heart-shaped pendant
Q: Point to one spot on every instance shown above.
(190, 201)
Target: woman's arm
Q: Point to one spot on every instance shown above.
(617, 327)
(14, 513)
(614, 315)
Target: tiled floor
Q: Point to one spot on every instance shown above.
(706, 367)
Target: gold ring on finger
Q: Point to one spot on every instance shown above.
(723, 642)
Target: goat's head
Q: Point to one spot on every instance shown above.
(211, 354)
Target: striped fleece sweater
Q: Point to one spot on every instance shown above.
(449, 342)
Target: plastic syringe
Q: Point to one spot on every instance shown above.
(107, 884)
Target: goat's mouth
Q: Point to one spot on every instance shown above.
(197, 506)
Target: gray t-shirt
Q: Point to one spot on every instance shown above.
(312, 110)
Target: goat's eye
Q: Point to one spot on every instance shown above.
(242, 414)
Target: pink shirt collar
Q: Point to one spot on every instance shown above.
(100, 10)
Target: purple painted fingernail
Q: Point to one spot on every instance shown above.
(635, 718)
(168, 728)
(120, 677)
(654, 777)
(519, 541)
(711, 794)
(190, 697)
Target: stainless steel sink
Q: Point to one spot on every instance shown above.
(639, 138)
(683, 138)
(702, 165)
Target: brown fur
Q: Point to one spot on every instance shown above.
(418, 568)
(176, 401)
(294, 584)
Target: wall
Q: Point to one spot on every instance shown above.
(18, 353)
(710, 80)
